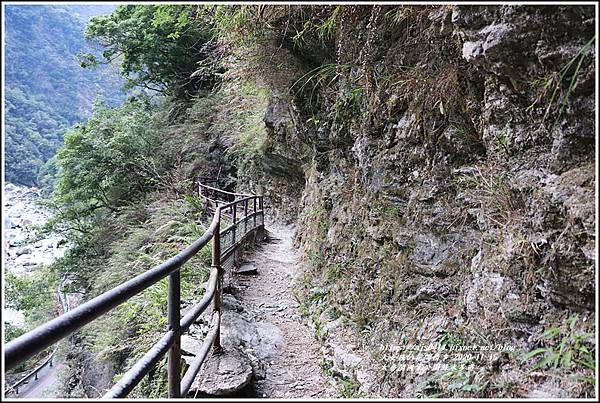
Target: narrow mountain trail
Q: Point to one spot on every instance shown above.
(294, 372)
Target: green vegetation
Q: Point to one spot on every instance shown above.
(245, 127)
(312, 308)
(448, 339)
(501, 142)
(459, 380)
(120, 204)
(158, 46)
(397, 15)
(387, 210)
(348, 388)
(322, 77)
(565, 346)
(111, 160)
(45, 91)
(35, 296)
(465, 133)
(556, 81)
(12, 332)
(456, 381)
(326, 366)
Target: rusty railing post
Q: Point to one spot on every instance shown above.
(174, 359)
(262, 211)
(254, 216)
(245, 216)
(216, 262)
(233, 212)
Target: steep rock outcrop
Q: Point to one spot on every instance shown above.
(449, 174)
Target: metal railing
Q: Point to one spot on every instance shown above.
(225, 244)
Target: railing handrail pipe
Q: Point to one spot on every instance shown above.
(217, 190)
(36, 340)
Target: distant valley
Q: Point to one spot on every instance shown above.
(46, 90)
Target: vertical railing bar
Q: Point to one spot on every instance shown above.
(262, 211)
(245, 216)
(174, 314)
(233, 212)
(254, 217)
(216, 262)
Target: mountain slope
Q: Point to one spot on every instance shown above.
(46, 90)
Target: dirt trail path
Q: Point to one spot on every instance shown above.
(295, 371)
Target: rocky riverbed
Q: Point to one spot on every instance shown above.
(21, 215)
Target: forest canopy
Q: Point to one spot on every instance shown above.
(158, 46)
(45, 90)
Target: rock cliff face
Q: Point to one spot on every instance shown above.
(446, 156)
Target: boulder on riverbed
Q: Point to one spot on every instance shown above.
(9, 224)
(24, 251)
